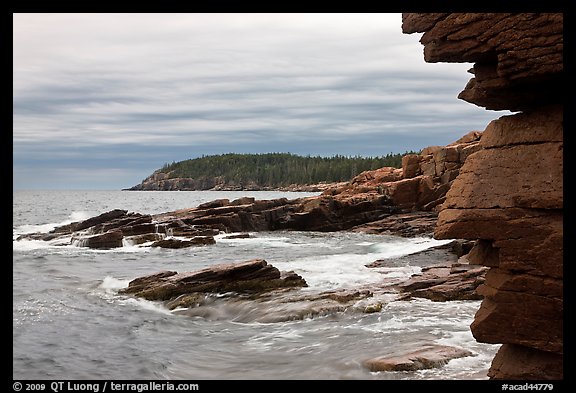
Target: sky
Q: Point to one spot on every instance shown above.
(100, 101)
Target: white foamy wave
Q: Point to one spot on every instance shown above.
(147, 305)
(44, 228)
(80, 242)
(113, 284)
(439, 318)
(271, 241)
(67, 246)
(401, 247)
(469, 367)
(79, 216)
(364, 244)
(29, 245)
(264, 341)
(448, 321)
(342, 270)
(128, 243)
(257, 241)
(223, 236)
(456, 339)
(36, 310)
(28, 228)
(348, 270)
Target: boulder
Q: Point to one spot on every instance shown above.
(90, 222)
(411, 165)
(214, 203)
(140, 239)
(238, 236)
(441, 283)
(430, 356)
(111, 239)
(178, 243)
(403, 193)
(251, 276)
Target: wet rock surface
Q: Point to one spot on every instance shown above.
(458, 281)
(446, 274)
(430, 356)
(257, 284)
(249, 276)
(445, 254)
(177, 243)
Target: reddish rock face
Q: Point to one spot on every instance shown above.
(429, 356)
(399, 201)
(422, 182)
(509, 191)
(518, 57)
(255, 275)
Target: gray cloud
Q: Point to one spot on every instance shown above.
(153, 88)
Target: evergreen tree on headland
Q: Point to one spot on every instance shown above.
(278, 169)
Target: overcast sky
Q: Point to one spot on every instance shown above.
(102, 100)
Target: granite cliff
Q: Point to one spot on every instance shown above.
(509, 194)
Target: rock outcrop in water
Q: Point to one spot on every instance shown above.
(446, 274)
(117, 227)
(402, 201)
(245, 292)
(458, 281)
(250, 276)
(509, 193)
(256, 291)
(430, 356)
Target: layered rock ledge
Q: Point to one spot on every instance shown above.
(446, 273)
(509, 193)
(250, 276)
(430, 356)
(401, 201)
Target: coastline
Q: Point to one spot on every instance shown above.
(318, 187)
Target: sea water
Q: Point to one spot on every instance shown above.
(69, 322)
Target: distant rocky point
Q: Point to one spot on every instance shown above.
(261, 172)
(401, 201)
(159, 182)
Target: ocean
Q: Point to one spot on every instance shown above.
(69, 322)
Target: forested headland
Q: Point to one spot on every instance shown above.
(269, 170)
